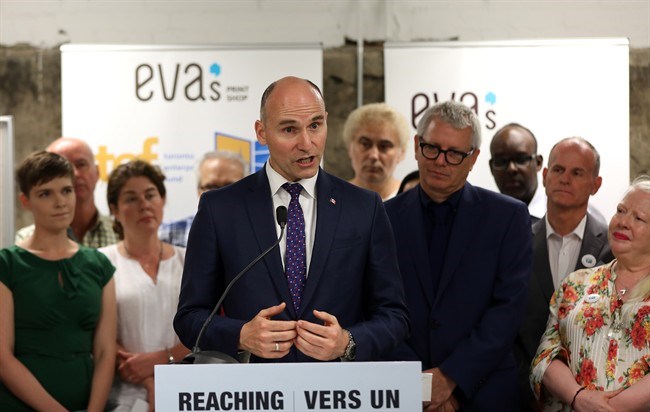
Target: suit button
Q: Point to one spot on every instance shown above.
(434, 324)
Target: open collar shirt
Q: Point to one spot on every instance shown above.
(563, 251)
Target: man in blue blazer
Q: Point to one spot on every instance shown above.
(465, 255)
(347, 301)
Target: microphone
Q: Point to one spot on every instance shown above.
(197, 356)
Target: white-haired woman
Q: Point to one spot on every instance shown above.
(376, 136)
(595, 353)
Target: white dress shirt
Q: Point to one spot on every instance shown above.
(307, 202)
(537, 205)
(563, 251)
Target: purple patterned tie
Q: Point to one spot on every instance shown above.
(295, 258)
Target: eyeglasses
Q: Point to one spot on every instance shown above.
(452, 156)
(502, 163)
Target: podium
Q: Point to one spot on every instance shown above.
(295, 387)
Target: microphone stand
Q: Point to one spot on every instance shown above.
(197, 356)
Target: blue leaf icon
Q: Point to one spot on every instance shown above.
(215, 69)
(491, 98)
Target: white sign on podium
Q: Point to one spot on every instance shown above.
(296, 387)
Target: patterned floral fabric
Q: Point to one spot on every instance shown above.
(605, 342)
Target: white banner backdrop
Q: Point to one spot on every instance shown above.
(171, 104)
(556, 88)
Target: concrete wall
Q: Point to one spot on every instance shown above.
(30, 32)
(48, 22)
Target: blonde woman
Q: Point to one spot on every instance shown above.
(376, 136)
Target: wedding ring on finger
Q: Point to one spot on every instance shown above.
(277, 347)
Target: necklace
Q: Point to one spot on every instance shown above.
(626, 285)
(617, 315)
(617, 323)
(160, 254)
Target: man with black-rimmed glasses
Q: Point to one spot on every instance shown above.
(465, 256)
(514, 166)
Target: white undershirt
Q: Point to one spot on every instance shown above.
(537, 205)
(307, 202)
(563, 251)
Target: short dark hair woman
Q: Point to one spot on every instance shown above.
(57, 303)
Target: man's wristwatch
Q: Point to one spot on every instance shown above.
(351, 349)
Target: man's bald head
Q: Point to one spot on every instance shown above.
(289, 79)
(86, 173)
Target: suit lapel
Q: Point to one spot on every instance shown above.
(541, 265)
(259, 204)
(468, 216)
(592, 243)
(327, 218)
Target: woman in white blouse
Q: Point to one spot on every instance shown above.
(147, 280)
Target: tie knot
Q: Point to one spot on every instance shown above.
(294, 189)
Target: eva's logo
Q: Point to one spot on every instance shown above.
(107, 161)
(421, 102)
(183, 81)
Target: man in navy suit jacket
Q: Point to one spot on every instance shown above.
(465, 255)
(352, 305)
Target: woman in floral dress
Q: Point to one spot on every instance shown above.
(595, 353)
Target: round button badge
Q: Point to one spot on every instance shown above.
(588, 260)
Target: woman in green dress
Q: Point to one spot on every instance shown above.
(57, 303)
